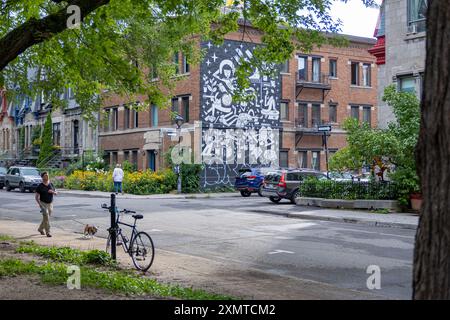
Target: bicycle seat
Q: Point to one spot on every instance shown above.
(138, 216)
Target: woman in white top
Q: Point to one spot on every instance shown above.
(118, 178)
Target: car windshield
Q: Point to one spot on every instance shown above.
(2, 170)
(29, 172)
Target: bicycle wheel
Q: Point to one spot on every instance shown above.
(119, 243)
(142, 251)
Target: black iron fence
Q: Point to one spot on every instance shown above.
(349, 190)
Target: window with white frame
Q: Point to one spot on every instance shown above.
(366, 75)
(417, 10)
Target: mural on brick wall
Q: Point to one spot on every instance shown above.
(236, 134)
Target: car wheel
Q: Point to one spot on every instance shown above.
(21, 187)
(295, 195)
(245, 193)
(260, 191)
(8, 187)
(275, 199)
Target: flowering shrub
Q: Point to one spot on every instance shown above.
(140, 182)
(58, 181)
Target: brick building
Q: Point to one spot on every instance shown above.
(325, 86)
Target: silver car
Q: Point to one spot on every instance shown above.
(3, 171)
(24, 178)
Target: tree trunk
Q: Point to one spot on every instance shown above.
(432, 250)
(35, 31)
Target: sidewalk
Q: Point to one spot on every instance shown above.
(394, 220)
(228, 277)
(101, 194)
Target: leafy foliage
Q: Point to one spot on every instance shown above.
(46, 149)
(396, 144)
(120, 41)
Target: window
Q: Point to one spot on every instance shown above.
(115, 119)
(315, 160)
(176, 63)
(315, 115)
(186, 66)
(417, 10)
(284, 111)
(134, 158)
(407, 84)
(366, 75)
(154, 116)
(114, 158)
(355, 112)
(367, 115)
(126, 118)
(57, 134)
(302, 159)
(302, 68)
(355, 73)
(303, 115)
(285, 67)
(284, 159)
(333, 68)
(135, 119)
(185, 111)
(332, 112)
(126, 156)
(175, 108)
(107, 157)
(315, 70)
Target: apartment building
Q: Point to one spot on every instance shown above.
(71, 133)
(400, 50)
(325, 86)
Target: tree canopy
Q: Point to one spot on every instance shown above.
(119, 42)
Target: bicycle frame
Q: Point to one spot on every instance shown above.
(134, 232)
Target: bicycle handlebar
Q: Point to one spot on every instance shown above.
(104, 206)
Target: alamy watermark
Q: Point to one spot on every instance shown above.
(218, 146)
(374, 280)
(74, 279)
(74, 20)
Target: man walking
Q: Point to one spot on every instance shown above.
(44, 198)
(118, 178)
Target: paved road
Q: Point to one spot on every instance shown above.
(246, 231)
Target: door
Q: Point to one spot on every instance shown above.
(151, 160)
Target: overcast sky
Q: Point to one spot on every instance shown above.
(357, 19)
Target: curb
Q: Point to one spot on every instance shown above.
(373, 223)
(154, 196)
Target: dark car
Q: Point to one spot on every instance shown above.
(3, 171)
(250, 180)
(285, 184)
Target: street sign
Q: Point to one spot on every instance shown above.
(324, 128)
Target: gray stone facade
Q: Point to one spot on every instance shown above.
(405, 55)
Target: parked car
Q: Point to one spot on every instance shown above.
(250, 180)
(340, 176)
(23, 178)
(364, 177)
(3, 171)
(285, 184)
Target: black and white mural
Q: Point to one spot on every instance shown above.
(236, 134)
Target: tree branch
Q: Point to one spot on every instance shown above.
(35, 31)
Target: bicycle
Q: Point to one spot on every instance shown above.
(141, 244)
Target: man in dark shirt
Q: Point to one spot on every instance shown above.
(44, 198)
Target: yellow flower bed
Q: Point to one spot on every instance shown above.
(139, 182)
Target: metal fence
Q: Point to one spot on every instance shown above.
(349, 190)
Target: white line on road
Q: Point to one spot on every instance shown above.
(281, 251)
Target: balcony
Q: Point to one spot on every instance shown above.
(309, 81)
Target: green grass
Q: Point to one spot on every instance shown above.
(110, 278)
(6, 238)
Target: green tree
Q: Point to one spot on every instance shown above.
(395, 144)
(46, 149)
(97, 55)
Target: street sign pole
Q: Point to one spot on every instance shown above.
(325, 129)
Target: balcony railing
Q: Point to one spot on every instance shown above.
(302, 122)
(313, 81)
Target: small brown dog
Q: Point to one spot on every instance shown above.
(90, 231)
